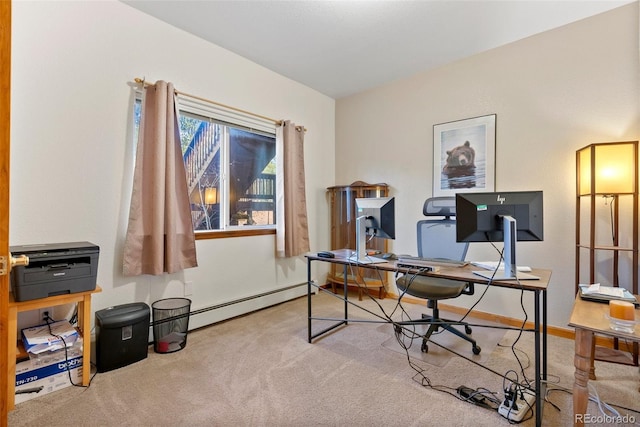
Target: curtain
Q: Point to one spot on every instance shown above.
(292, 230)
(160, 237)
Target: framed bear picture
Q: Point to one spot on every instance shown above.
(464, 156)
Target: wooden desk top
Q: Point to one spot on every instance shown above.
(454, 273)
(591, 316)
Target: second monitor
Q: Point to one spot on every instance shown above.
(375, 217)
(506, 216)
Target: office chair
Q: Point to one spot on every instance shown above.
(437, 239)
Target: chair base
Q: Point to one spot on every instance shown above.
(435, 323)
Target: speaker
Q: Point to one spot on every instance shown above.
(122, 335)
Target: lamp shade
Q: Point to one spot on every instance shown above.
(607, 168)
(210, 196)
(206, 196)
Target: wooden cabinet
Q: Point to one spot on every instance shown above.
(342, 200)
(607, 223)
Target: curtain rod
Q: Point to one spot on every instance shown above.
(277, 122)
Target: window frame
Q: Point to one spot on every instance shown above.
(229, 117)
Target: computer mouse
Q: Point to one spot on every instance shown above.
(390, 256)
(326, 254)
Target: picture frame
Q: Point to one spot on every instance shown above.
(464, 154)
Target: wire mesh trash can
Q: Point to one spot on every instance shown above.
(170, 324)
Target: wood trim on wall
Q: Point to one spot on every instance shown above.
(5, 134)
(5, 110)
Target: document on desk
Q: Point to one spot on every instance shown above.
(493, 265)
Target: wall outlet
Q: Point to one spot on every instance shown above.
(41, 314)
(188, 288)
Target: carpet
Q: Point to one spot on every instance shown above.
(260, 370)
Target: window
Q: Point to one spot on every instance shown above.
(230, 166)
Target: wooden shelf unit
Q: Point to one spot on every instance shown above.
(83, 299)
(342, 200)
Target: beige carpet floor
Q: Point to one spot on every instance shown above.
(259, 370)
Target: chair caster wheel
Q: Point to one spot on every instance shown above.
(467, 329)
(424, 348)
(476, 349)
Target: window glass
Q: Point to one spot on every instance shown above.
(251, 178)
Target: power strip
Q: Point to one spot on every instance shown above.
(516, 411)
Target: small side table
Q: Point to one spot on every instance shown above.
(83, 299)
(588, 318)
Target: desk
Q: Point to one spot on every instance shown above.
(588, 319)
(538, 287)
(83, 299)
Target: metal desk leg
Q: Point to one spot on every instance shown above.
(310, 317)
(538, 356)
(346, 293)
(544, 335)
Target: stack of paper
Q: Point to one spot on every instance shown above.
(49, 337)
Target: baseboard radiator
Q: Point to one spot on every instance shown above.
(241, 306)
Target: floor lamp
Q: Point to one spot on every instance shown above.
(609, 171)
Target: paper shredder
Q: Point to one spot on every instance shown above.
(122, 335)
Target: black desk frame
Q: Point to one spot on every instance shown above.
(540, 312)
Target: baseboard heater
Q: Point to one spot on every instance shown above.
(237, 301)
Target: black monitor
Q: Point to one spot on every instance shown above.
(506, 216)
(375, 217)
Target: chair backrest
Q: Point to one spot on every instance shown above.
(437, 236)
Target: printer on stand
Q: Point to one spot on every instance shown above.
(54, 269)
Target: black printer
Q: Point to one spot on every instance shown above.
(54, 269)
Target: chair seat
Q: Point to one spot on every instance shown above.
(430, 287)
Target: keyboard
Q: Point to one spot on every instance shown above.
(424, 261)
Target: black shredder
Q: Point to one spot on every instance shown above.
(122, 335)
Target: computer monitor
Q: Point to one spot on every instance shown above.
(375, 217)
(504, 216)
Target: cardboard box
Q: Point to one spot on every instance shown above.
(45, 373)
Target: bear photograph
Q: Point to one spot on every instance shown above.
(464, 156)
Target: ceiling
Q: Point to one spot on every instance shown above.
(343, 47)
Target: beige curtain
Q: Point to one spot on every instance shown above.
(292, 230)
(160, 237)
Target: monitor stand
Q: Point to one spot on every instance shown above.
(360, 256)
(509, 253)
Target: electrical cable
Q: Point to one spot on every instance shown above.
(50, 320)
(403, 332)
(602, 406)
(593, 397)
(524, 311)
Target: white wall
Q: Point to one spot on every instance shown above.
(553, 94)
(71, 162)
